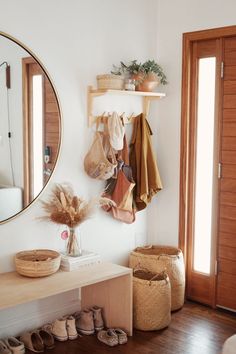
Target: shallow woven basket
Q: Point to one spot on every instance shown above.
(37, 263)
(159, 258)
(151, 300)
(110, 81)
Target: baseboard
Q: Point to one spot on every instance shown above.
(14, 321)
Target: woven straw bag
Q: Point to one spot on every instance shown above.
(152, 300)
(159, 258)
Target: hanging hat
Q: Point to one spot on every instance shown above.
(116, 131)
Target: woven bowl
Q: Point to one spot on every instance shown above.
(37, 263)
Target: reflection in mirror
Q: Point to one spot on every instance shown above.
(29, 128)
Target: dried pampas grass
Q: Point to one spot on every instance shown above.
(63, 207)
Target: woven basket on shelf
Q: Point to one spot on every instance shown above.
(110, 81)
(37, 263)
(151, 300)
(159, 258)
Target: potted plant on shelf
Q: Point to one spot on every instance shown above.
(147, 75)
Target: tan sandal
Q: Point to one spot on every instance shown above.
(122, 336)
(3, 348)
(15, 346)
(32, 341)
(47, 338)
(108, 337)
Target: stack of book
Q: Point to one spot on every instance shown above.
(86, 259)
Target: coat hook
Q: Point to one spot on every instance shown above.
(131, 116)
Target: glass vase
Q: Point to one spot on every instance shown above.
(73, 246)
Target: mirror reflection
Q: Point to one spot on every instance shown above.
(29, 128)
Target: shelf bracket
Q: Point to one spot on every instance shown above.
(90, 97)
(146, 104)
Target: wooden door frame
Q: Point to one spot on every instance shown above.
(26, 128)
(27, 125)
(185, 142)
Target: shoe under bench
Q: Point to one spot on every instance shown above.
(106, 285)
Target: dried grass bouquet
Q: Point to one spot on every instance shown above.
(64, 207)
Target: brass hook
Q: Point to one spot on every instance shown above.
(131, 116)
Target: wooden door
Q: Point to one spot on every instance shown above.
(201, 278)
(226, 282)
(219, 287)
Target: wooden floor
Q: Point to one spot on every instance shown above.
(195, 329)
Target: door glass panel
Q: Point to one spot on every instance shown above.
(37, 134)
(204, 165)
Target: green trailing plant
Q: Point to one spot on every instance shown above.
(135, 68)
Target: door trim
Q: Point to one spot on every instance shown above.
(27, 125)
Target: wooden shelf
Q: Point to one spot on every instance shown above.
(126, 92)
(147, 97)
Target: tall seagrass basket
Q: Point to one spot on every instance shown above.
(159, 258)
(151, 300)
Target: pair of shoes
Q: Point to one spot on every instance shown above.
(38, 340)
(11, 345)
(89, 321)
(112, 336)
(63, 328)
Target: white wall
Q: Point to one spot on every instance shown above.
(175, 18)
(75, 40)
(12, 54)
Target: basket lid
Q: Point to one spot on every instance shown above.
(110, 76)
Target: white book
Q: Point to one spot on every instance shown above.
(85, 255)
(81, 261)
(70, 267)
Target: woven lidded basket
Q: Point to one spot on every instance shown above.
(110, 81)
(37, 263)
(151, 300)
(159, 258)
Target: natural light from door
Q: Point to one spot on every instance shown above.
(204, 165)
(37, 135)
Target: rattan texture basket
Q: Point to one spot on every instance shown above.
(110, 81)
(151, 301)
(37, 263)
(159, 258)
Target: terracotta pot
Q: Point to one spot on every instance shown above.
(146, 83)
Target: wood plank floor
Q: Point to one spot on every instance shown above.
(195, 329)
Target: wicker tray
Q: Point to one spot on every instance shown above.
(37, 263)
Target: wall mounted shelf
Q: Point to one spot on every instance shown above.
(146, 96)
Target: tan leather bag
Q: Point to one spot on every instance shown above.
(120, 190)
(100, 161)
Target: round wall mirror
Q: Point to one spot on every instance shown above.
(30, 127)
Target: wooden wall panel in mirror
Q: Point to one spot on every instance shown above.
(30, 127)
